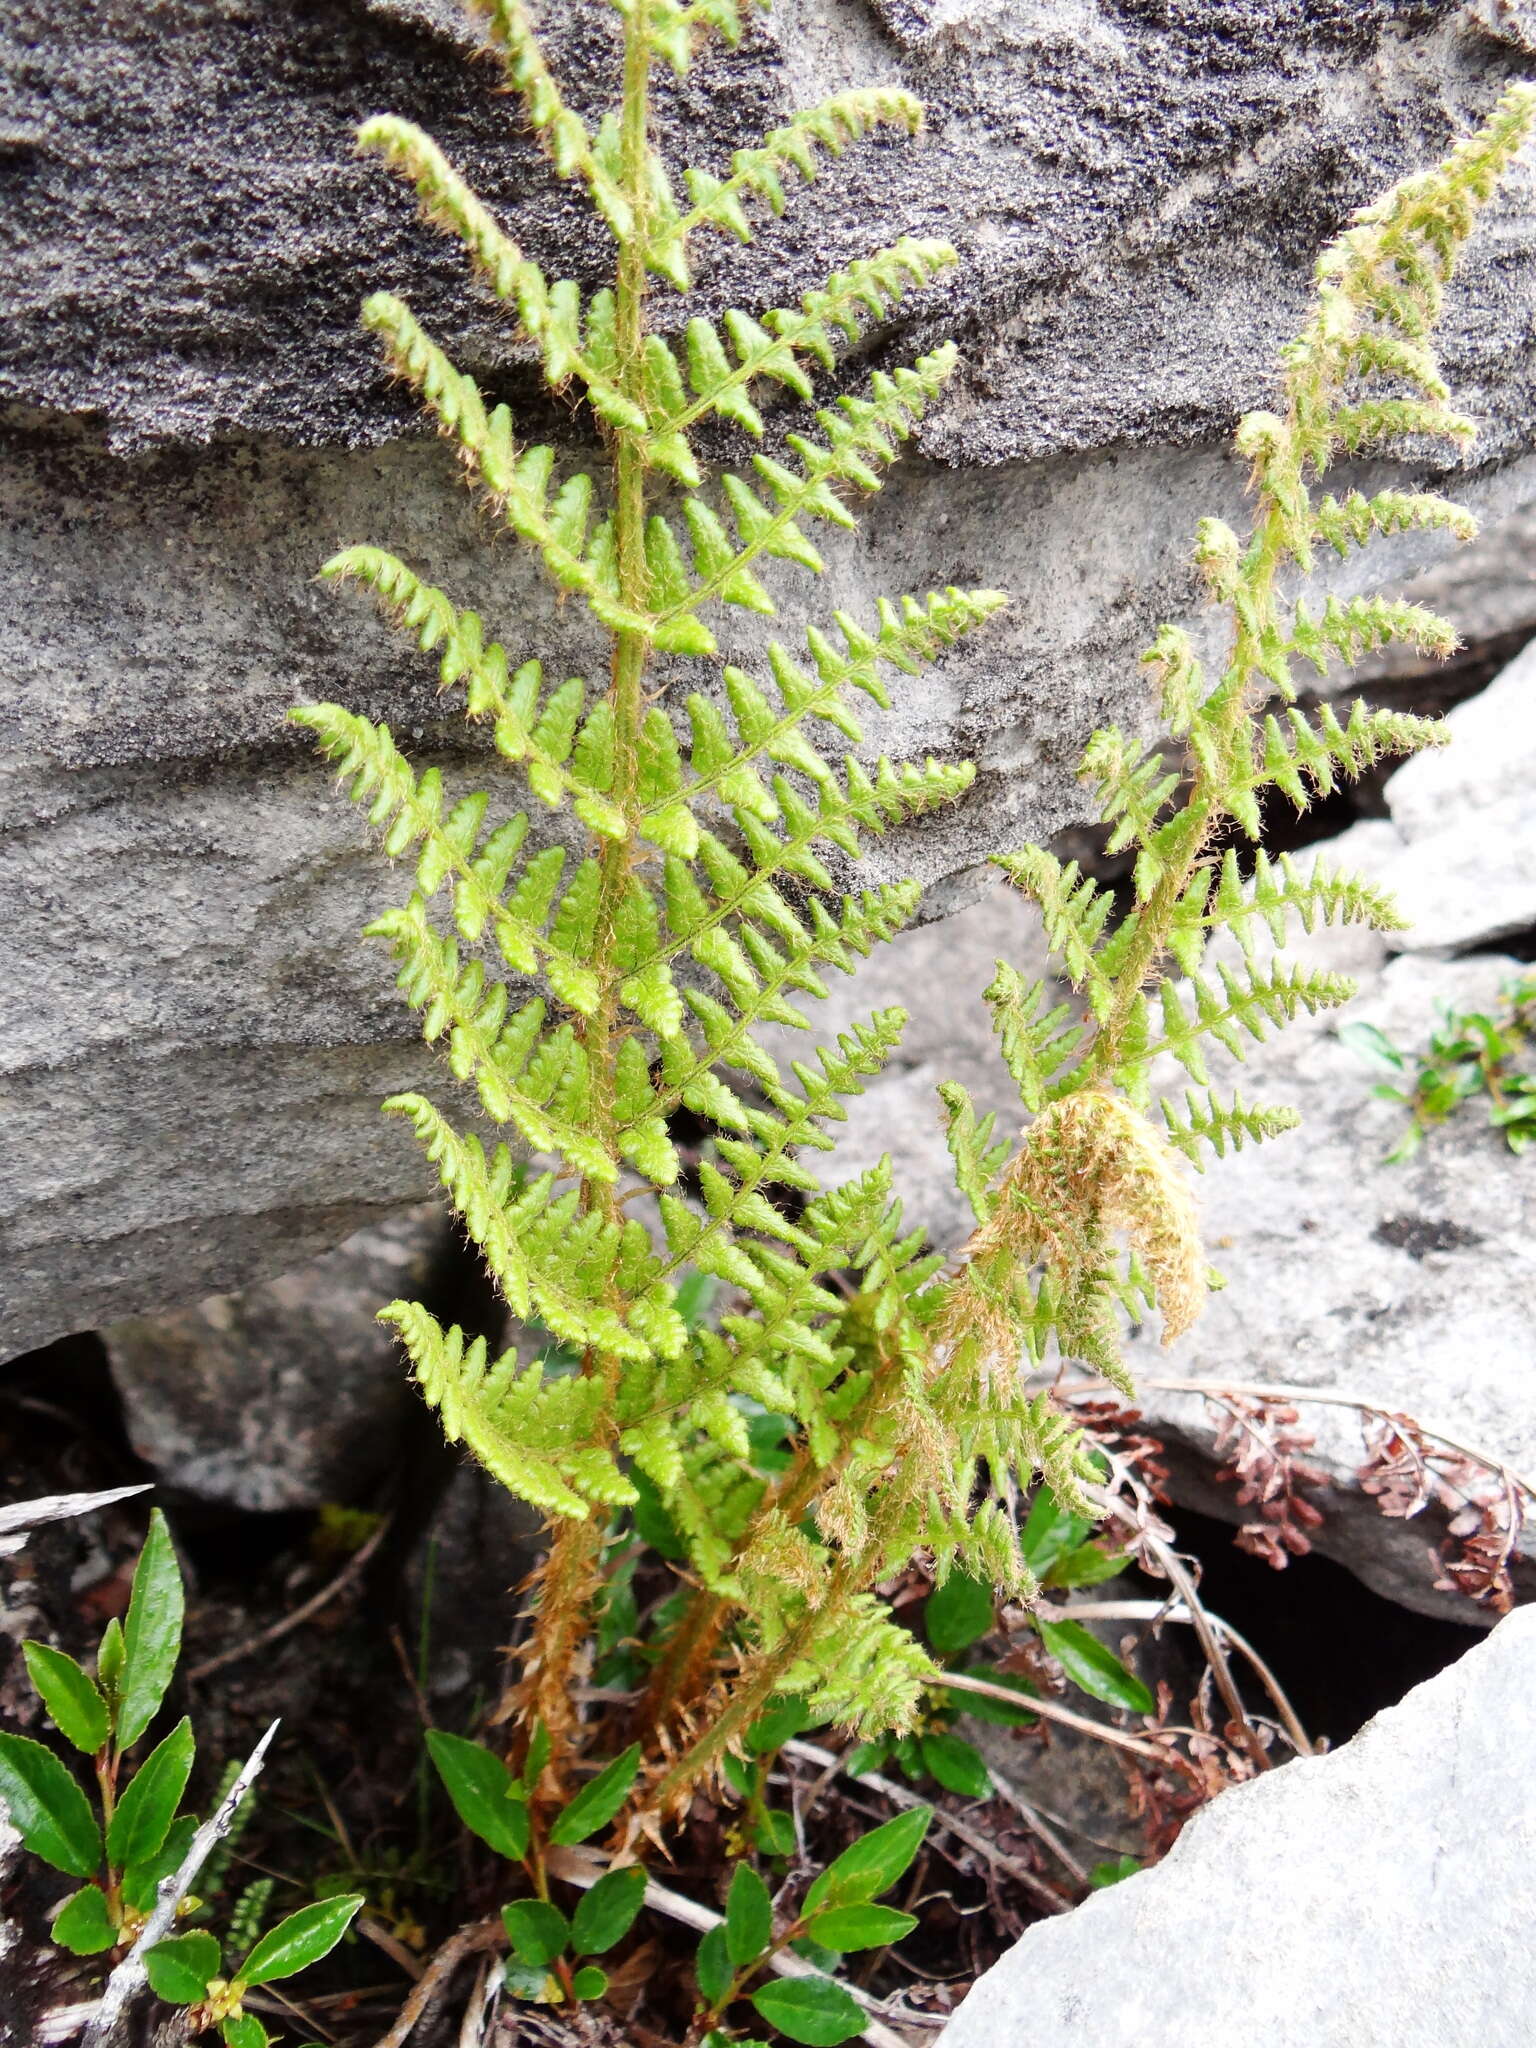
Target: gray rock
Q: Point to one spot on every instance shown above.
(1379, 1897)
(1411, 1286)
(1140, 190)
(1488, 592)
(191, 1042)
(288, 1395)
(464, 1590)
(1467, 814)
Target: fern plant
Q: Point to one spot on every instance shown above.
(585, 999)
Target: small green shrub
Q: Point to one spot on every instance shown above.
(135, 1843)
(1472, 1055)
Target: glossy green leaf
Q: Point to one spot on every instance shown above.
(139, 1880)
(485, 1795)
(776, 1833)
(589, 1981)
(810, 2009)
(109, 1658)
(712, 1966)
(605, 1914)
(303, 1938)
(149, 1801)
(537, 1931)
(869, 1756)
(653, 1524)
(1371, 1043)
(596, 1804)
(853, 1927)
(243, 2030)
(827, 1960)
(74, 1700)
(151, 1634)
(780, 1722)
(1089, 1664)
(1103, 1874)
(957, 1614)
(181, 1967)
(1088, 1565)
(872, 1864)
(956, 1764)
(1049, 1532)
(996, 1713)
(83, 1924)
(47, 1807)
(748, 1916)
(527, 1980)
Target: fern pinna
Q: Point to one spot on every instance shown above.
(859, 1402)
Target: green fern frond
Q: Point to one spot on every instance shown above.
(531, 1434)
(691, 1072)
(861, 437)
(1223, 1127)
(869, 289)
(1354, 627)
(551, 315)
(1035, 1435)
(551, 1261)
(705, 906)
(1278, 891)
(529, 725)
(535, 927)
(1036, 1040)
(1304, 756)
(1355, 519)
(518, 481)
(534, 1080)
(977, 1160)
(1075, 912)
(1250, 1001)
(1171, 657)
(572, 150)
(858, 1667)
(1132, 786)
(728, 745)
(733, 1192)
(671, 26)
(728, 913)
(758, 173)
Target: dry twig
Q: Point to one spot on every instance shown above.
(289, 1622)
(1048, 1710)
(1045, 1896)
(1174, 1569)
(1164, 1610)
(472, 1939)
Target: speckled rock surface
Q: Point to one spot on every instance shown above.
(191, 1043)
(1140, 187)
(1378, 1897)
(1466, 874)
